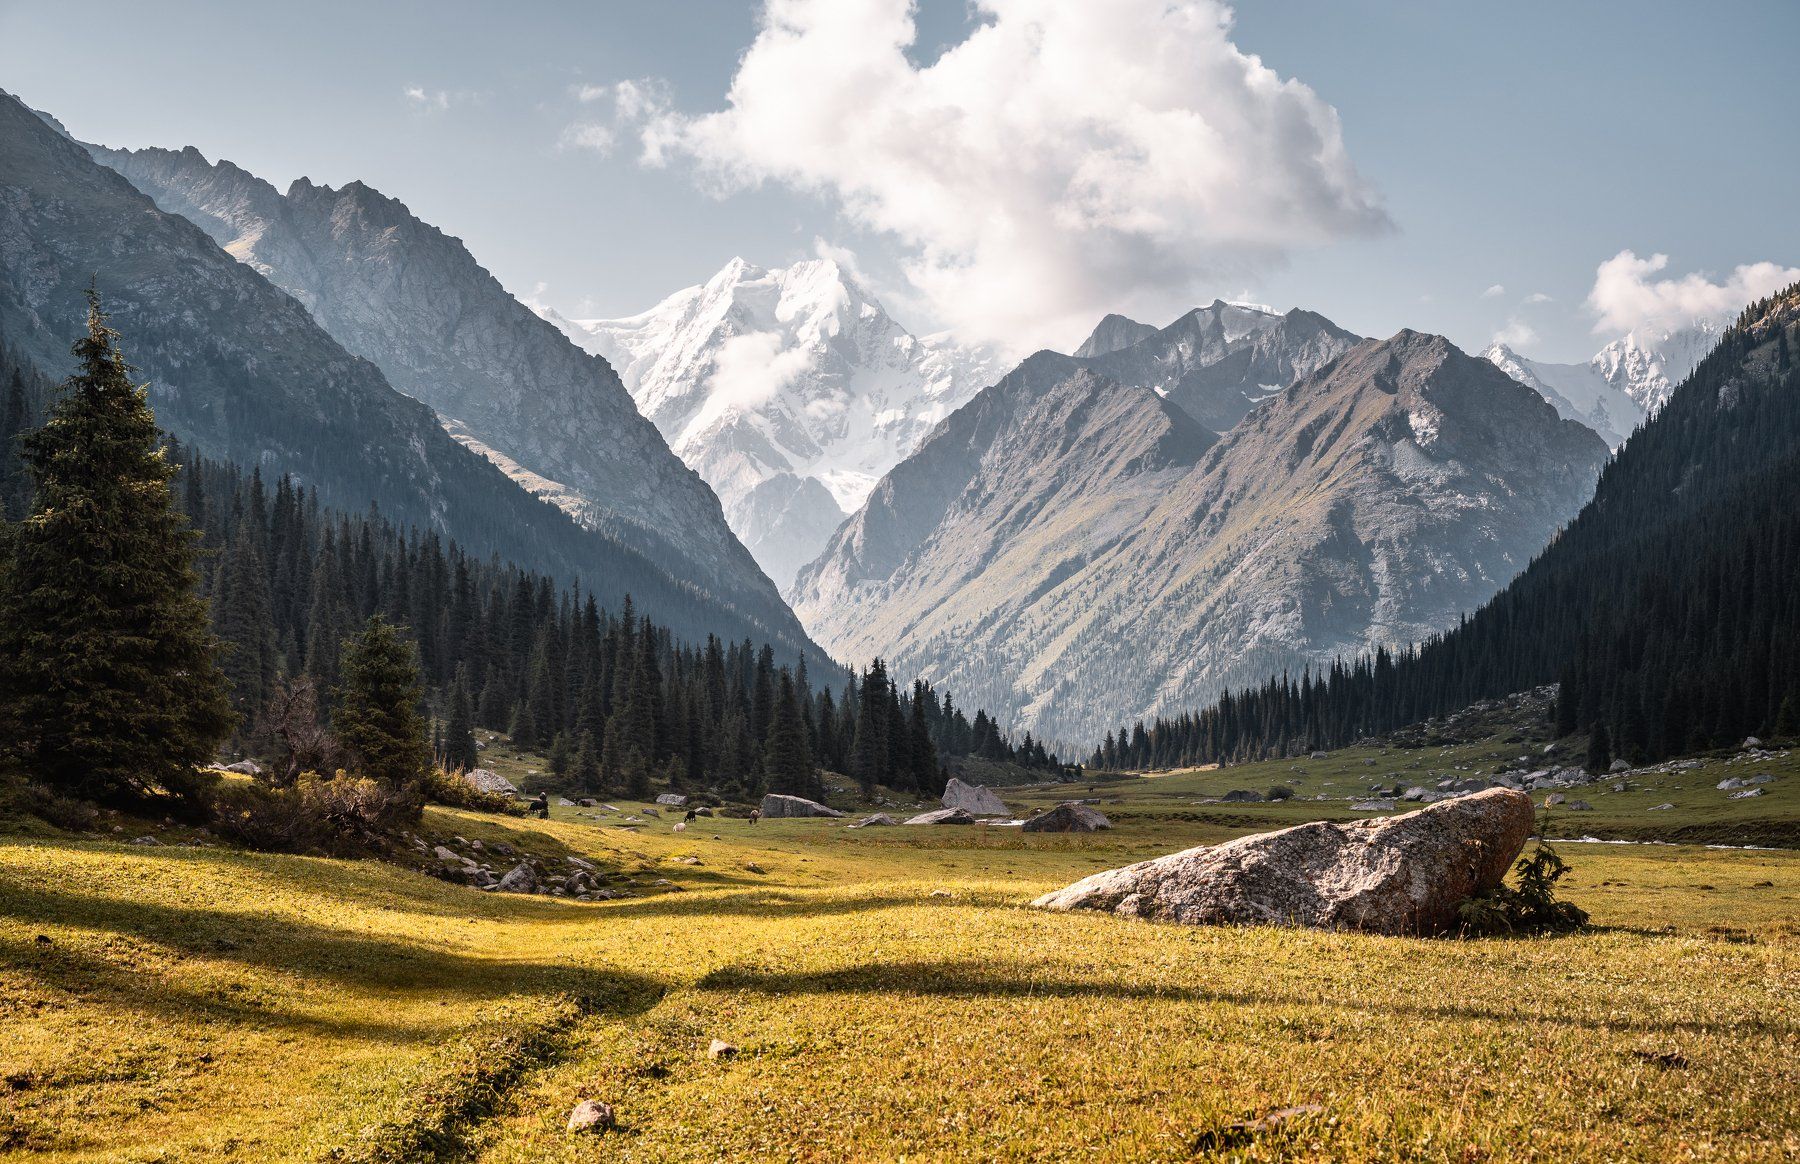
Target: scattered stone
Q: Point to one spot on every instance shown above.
(777, 805)
(1554, 799)
(1374, 806)
(564, 802)
(1619, 787)
(973, 798)
(145, 841)
(1752, 742)
(1241, 796)
(587, 802)
(1729, 783)
(880, 818)
(1659, 807)
(244, 768)
(753, 867)
(942, 816)
(443, 854)
(590, 1115)
(651, 812)
(1416, 794)
(1321, 756)
(486, 780)
(687, 860)
(673, 800)
(1398, 875)
(1068, 817)
(1619, 766)
(720, 1049)
(521, 879)
(1579, 806)
(1745, 794)
(1762, 778)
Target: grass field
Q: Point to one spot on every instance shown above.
(891, 999)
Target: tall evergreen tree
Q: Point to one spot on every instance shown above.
(460, 753)
(787, 760)
(377, 718)
(109, 677)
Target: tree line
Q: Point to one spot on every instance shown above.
(1667, 610)
(300, 605)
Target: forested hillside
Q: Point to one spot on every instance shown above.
(616, 699)
(1668, 609)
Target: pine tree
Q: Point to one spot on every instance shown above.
(460, 754)
(1599, 753)
(787, 760)
(587, 764)
(109, 676)
(241, 615)
(377, 718)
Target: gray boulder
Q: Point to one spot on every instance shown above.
(1745, 794)
(1068, 817)
(487, 780)
(973, 798)
(672, 799)
(880, 818)
(942, 816)
(590, 1115)
(1620, 766)
(1399, 875)
(244, 768)
(777, 805)
(1374, 806)
(521, 879)
(1241, 796)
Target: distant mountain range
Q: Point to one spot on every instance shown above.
(243, 369)
(790, 390)
(1079, 551)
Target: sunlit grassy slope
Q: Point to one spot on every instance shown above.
(891, 998)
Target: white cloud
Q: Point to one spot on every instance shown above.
(1065, 160)
(625, 105)
(1537, 297)
(1494, 292)
(421, 98)
(1517, 333)
(588, 135)
(748, 371)
(1625, 297)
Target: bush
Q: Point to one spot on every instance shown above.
(1281, 792)
(26, 798)
(340, 816)
(443, 787)
(1530, 908)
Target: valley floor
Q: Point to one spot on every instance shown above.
(891, 999)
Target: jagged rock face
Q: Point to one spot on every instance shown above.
(1079, 553)
(1399, 875)
(414, 302)
(791, 375)
(241, 371)
(1113, 333)
(1578, 391)
(1217, 363)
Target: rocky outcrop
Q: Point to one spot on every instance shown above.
(777, 805)
(973, 798)
(942, 816)
(1068, 817)
(487, 780)
(1398, 875)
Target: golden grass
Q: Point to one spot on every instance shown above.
(891, 998)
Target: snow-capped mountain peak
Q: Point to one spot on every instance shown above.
(764, 378)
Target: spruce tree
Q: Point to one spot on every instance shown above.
(377, 718)
(460, 753)
(1599, 753)
(787, 759)
(109, 676)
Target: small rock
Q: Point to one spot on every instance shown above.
(1554, 799)
(443, 854)
(145, 841)
(1659, 808)
(879, 819)
(1733, 782)
(521, 879)
(1373, 806)
(1619, 766)
(651, 812)
(1579, 806)
(590, 1115)
(954, 816)
(1068, 817)
(1752, 742)
(1745, 794)
(1321, 755)
(720, 1049)
(1241, 796)
(244, 768)
(673, 800)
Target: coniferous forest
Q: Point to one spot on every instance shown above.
(1667, 610)
(615, 700)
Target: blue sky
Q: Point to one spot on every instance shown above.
(1514, 146)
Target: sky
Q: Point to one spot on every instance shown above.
(1011, 169)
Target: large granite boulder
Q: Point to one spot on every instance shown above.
(487, 780)
(1397, 875)
(775, 804)
(939, 816)
(1068, 817)
(672, 799)
(973, 798)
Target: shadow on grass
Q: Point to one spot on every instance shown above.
(964, 979)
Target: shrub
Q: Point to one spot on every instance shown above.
(443, 787)
(1530, 908)
(339, 816)
(1281, 792)
(29, 798)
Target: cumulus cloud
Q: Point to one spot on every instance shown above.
(1626, 297)
(624, 106)
(1063, 161)
(1494, 292)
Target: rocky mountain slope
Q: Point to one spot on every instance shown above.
(414, 302)
(1078, 552)
(1578, 391)
(791, 391)
(240, 369)
(1216, 363)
